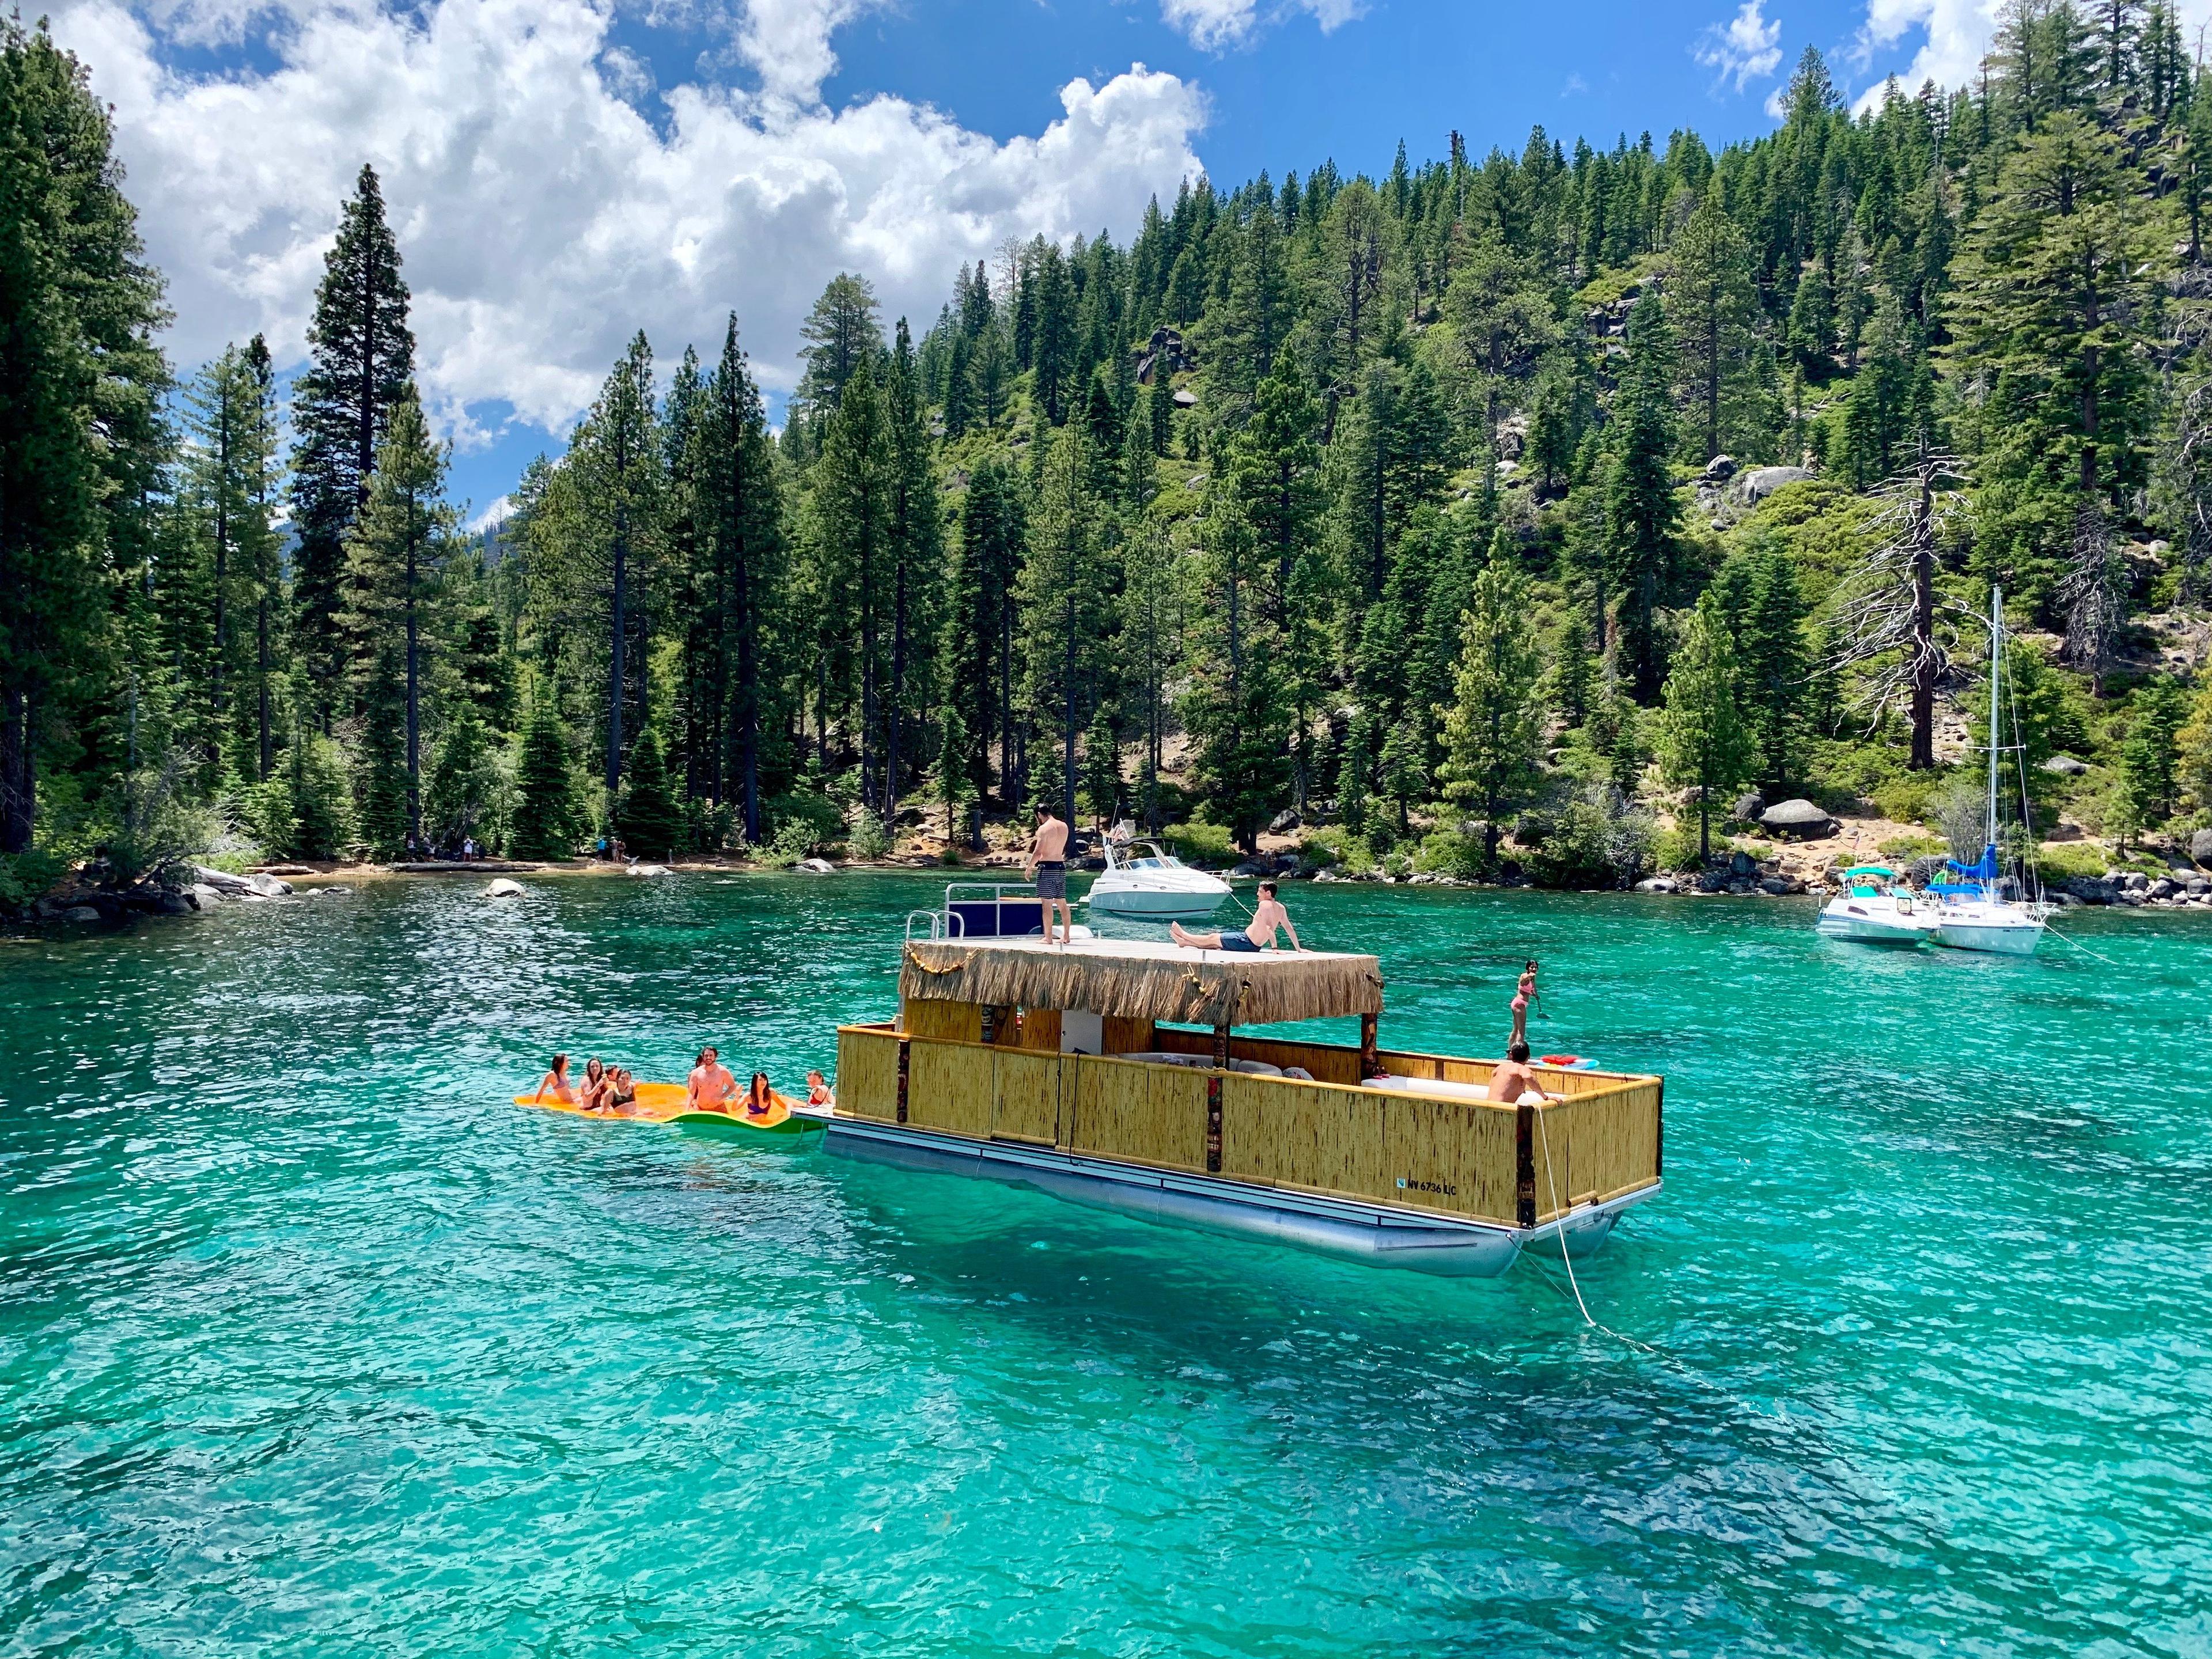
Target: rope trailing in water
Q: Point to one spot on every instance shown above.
(1567, 1259)
(2078, 945)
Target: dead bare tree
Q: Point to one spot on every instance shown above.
(1885, 619)
(2094, 590)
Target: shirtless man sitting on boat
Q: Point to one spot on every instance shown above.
(1514, 1080)
(1048, 865)
(1259, 936)
(710, 1085)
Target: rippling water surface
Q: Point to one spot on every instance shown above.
(311, 1343)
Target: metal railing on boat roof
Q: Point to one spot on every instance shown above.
(964, 899)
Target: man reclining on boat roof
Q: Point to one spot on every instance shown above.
(1259, 936)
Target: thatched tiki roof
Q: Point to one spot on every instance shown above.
(1132, 979)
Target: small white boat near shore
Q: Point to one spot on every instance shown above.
(1143, 880)
(1873, 911)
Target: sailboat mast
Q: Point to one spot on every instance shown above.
(1996, 668)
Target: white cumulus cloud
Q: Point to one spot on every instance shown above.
(1745, 48)
(1219, 25)
(542, 217)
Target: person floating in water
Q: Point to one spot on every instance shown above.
(819, 1093)
(1524, 994)
(1048, 865)
(554, 1084)
(620, 1095)
(762, 1101)
(1259, 936)
(710, 1085)
(594, 1097)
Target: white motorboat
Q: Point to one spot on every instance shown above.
(1973, 912)
(1874, 911)
(1145, 881)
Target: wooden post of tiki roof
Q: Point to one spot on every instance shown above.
(1370, 1064)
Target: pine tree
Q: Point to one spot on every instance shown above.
(1102, 766)
(362, 361)
(392, 553)
(1496, 714)
(382, 782)
(854, 489)
(842, 337)
(467, 795)
(1704, 746)
(1573, 673)
(742, 504)
(546, 814)
(917, 561)
(649, 819)
(1061, 608)
(1715, 310)
(1641, 511)
(2054, 270)
(1774, 665)
(79, 376)
(2148, 770)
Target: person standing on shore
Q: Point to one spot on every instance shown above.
(1047, 866)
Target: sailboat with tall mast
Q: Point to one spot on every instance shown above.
(1974, 912)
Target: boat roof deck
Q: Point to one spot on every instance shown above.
(1145, 978)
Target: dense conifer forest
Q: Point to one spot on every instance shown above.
(1513, 513)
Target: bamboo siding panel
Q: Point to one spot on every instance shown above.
(1596, 1146)
(1025, 1097)
(1302, 1135)
(1450, 1069)
(942, 1022)
(1453, 1156)
(1329, 1062)
(1120, 1036)
(948, 1088)
(1139, 1114)
(1145, 980)
(867, 1074)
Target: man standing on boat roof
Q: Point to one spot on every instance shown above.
(1048, 863)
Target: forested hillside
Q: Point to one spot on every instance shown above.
(1525, 509)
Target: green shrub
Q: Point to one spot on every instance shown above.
(2067, 859)
(27, 876)
(1199, 842)
(1592, 837)
(1336, 847)
(802, 823)
(867, 840)
(1676, 850)
(1443, 851)
(1908, 799)
(1912, 846)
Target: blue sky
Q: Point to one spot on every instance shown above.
(562, 172)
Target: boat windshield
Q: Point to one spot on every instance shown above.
(1147, 855)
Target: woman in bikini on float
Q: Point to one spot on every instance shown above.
(555, 1085)
(761, 1100)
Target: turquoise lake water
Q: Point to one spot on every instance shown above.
(311, 1343)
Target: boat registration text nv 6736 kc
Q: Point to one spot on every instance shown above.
(1078, 1071)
